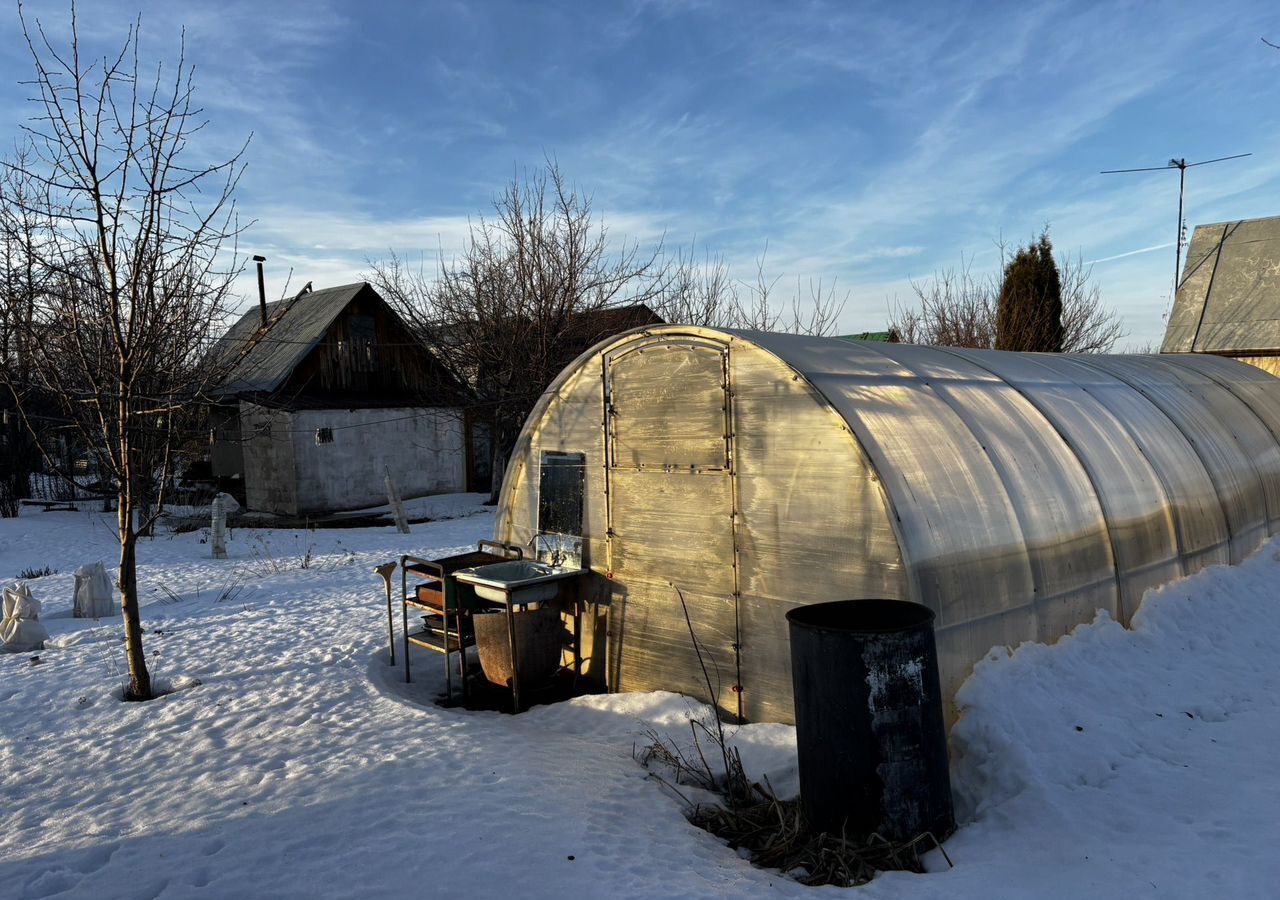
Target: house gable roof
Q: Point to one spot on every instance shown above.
(1228, 300)
(600, 323)
(294, 327)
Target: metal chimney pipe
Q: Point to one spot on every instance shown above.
(262, 290)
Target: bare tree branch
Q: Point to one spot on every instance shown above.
(956, 308)
(523, 297)
(706, 294)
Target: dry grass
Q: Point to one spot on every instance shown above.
(750, 817)
(33, 573)
(776, 835)
(773, 832)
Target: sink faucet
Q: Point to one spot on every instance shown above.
(557, 556)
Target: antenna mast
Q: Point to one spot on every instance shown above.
(1181, 165)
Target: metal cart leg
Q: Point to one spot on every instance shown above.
(448, 671)
(577, 642)
(515, 666)
(462, 658)
(385, 571)
(404, 617)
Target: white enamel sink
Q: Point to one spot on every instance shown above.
(522, 580)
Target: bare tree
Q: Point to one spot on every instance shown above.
(706, 294)
(1087, 325)
(541, 281)
(133, 243)
(18, 272)
(699, 292)
(956, 308)
(20, 282)
(523, 298)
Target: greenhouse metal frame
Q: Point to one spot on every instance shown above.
(729, 476)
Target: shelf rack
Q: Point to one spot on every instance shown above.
(446, 625)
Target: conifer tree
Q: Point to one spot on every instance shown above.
(1029, 310)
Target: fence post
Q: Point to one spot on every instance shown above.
(397, 508)
(218, 529)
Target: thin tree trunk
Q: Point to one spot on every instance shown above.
(502, 447)
(139, 678)
(495, 477)
(145, 509)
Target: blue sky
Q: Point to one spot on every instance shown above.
(869, 143)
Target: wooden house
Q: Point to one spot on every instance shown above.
(327, 392)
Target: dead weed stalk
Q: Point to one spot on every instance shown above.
(750, 817)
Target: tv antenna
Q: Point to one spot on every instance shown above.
(1181, 165)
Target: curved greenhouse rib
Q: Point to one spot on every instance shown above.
(1139, 461)
(1255, 435)
(1237, 483)
(1257, 392)
(1055, 504)
(936, 471)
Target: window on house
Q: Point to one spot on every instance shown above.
(364, 348)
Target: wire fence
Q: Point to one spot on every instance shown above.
(55, 489)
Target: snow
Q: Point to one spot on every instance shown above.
(432, 507)
(292, 761)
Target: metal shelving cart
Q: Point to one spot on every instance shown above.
(446, 612)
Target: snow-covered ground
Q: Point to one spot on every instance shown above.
(291, 761)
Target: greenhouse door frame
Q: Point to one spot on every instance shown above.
(703, 468)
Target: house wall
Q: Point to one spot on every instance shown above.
(288, 473)
(268, 448)
(387, 364)
(422, 448)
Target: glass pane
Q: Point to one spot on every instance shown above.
(560, 488)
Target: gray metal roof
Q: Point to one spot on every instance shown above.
(294, 327)
(1229, 297)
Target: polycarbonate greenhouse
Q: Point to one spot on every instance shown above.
(1014, 494)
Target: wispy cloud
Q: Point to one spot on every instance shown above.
(866, 144)
(876, 253)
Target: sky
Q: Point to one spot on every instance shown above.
(869, 145)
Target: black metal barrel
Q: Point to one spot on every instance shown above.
(869, 731)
